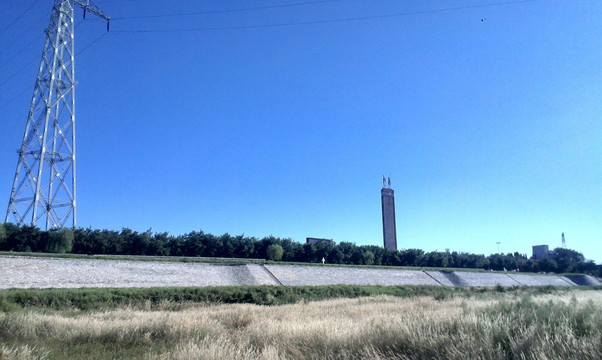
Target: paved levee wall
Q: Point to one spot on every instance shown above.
(30, 272)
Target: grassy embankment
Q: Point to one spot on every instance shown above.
(101, 299)
(408, 323)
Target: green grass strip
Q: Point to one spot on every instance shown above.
(109, 298)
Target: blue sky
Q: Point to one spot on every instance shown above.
(282, 120)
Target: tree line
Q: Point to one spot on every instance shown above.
(200, 244)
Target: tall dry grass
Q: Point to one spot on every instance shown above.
(505, 326)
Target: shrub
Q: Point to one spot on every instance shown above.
(275, 252)
(59, 241)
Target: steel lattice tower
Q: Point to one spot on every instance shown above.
(43, 191)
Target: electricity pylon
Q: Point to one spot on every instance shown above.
(43, 192)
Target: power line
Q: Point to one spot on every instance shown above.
(20, 16)
(5, 80)
(20, 51)
(225, 11)
(15, 97)
(313, 22)
(81, 51)
(19, 37)
(34, 40)
(91, 44)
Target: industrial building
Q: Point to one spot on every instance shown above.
(541, 252)
(311, 240)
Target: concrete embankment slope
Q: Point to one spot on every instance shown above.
(24, 272)
(318, 275)
(29, 272)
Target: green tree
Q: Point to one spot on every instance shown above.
(548, 265)
(137, 243)
(177, 246)
(411, 257)
(357, 255)
(587, 267)
(159, 244)
(435, 259)
(228, 246)
(310, 253)
(335, 256)
(293, 251)
(105, 242)
(261, 246)
(245, 247)
(530, 265)
(496, 262)
(275, 252)
(368, 257)
(346, 249)
(567, 260)
(59, 241)
(3, 236)
(196, 244)
(25, 239)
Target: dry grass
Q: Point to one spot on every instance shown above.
(505, 326)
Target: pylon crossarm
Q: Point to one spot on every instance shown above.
(91, 7)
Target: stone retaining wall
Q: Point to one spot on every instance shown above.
(31, 272)
(330, 275)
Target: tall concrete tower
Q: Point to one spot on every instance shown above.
(387, 197)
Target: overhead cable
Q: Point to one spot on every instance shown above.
(326, 21)
(224, 11)
(20, 16)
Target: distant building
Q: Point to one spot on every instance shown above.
(311, 240)
(387, 197)
(541, 252)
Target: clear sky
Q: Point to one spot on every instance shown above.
(282, 119)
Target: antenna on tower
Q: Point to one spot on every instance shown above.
(386, 182)
(44, 186)
(563, 241)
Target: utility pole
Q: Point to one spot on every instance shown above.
(44, 192)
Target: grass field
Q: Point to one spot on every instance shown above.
(525, 323)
